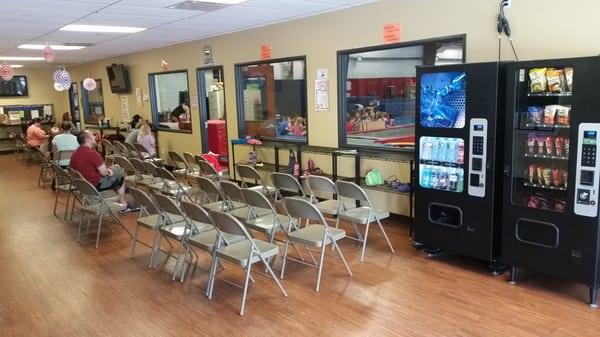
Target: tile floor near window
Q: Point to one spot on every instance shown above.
(52, 286)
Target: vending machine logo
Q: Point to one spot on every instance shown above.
(443, 97)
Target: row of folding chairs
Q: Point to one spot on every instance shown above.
(127, 150)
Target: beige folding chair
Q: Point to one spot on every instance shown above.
(244, 253)
(364, 215)
(193, 167)
(129, 170)
(121, 149)
(149, 218)
(317, 235)
(207, 170)
(325, 187)
(181, 167)
(62, 158)
(239, 209)
(46, 171)
(267, 224)
(109, 151)
(63, 184)
(284, 182)
(143, 154)
(143, 177)
(247, 172)
(212, 196)
(174, 187)
(95, 205)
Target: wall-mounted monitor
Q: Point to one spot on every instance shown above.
(15, 87)
(442, 102)
(118, 78)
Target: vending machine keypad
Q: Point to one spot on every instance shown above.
(588, 170)
(478, 129)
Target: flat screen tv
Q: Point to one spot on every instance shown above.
(14, 88)
(442, 101)
(118, 78)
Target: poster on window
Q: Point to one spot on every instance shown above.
(321, 95)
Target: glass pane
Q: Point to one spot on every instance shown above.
(274, 99)
(172, 101)
(441, 165)
(541, 138)
(93, 104)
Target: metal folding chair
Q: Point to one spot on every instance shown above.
(247, 172)
(96, 205)
(172, 186)
(364, 215)
(267, 224)
(128, 169)
(63, 184)
(233, 194)
(212, 196)
(121, 149)
(284, 182)
(46, 171)
(326, 187)
(109, 151)
(143, 177)
(317, 235)
(244, 253)
(181, 167)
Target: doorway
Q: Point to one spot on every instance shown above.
(211, 101)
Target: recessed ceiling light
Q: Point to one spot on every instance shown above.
(21, 58)
(53, 46)
(16, 65)
(101, 29)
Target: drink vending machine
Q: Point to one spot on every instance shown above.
(552, 172)
(457, 198)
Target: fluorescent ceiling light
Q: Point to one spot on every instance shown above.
(101, 29)
(227, 2)
(21, 58)
(53, 46)
(16, 65)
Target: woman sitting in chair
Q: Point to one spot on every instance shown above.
(146, 139)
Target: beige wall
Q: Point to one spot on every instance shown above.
(41, 91)
(541, 29)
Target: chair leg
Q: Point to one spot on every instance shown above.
(99, 225)
(342, 257)
(177, 262)
(385, 235)
(56, 201)
(212, 276)
(134, 242)
(285, 250)
(81, 216)
(156, 252)
(270, 270)
(67, 206)
(320, 267)
(248, 269)
(364, 243)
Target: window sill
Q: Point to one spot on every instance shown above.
(173, 130)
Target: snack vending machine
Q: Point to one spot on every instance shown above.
(551, 174)
(457, 202)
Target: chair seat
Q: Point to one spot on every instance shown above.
(65, 187)
(132, 178)
(180, 172)
(261, 188)
(238, 252)
(151, 221)
(95, 208)
(331, 206)
(146, 181)
(242, 212)
(221, 205)
(175, 231)
(359, 215)
(313, 235)
(206, 240)
(266, 223)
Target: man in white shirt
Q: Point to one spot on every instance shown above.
(65, 142)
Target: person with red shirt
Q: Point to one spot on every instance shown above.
(87, 161)
(35, 135)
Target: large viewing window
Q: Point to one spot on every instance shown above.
(93, 104)
(272, 99)
(377, 87)
(169, 96)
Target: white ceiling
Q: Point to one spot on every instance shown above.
(39, 21)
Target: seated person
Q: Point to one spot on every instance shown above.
(182, 109)
(133, 134)
(298, 128)
(146, 139)
(35, 135)
(89, 163)
(64, 142)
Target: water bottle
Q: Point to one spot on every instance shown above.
(426, 150)
(459, 184)
(442, 150)
(434, 180)
(452, 180)
(460, 153)
(435, 149)
(451, 151)
(425, 177)
(443, 179)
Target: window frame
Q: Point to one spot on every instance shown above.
(343, 56)
(154, 107)
(239, 94)
(85, 102)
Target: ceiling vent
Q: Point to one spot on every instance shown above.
(198, 6)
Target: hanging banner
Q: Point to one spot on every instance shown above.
(391, 33)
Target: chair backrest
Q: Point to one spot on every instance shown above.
(74, 173)
(87, 189)
(150, 168)
(195, 212)
(125, 164)
(163, 173)
(351, 190)
(107, 147)
(198, 158)
(248, 172)
(61, 174)
(232, 190)
(208, 186)
(133, 152)
(167, 204)
(140, 148)
(321, 184)
(57, 156)
(227, 223)
(138, 164)
(190, 160)
(300, 208)
(207, 169)
(178, 160)
(144, 200)
(287, 182)
(256, 199)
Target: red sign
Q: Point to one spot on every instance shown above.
(265, 52)
(391, 33)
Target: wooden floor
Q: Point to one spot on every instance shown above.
(52, 286)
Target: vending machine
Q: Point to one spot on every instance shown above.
(551, 173)
(457, 200)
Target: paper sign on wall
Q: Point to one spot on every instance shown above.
(35, 114)
(321, 95)
(194, 101)
(138, 97)
(391, 33)
(265, 52)
(125, 108)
